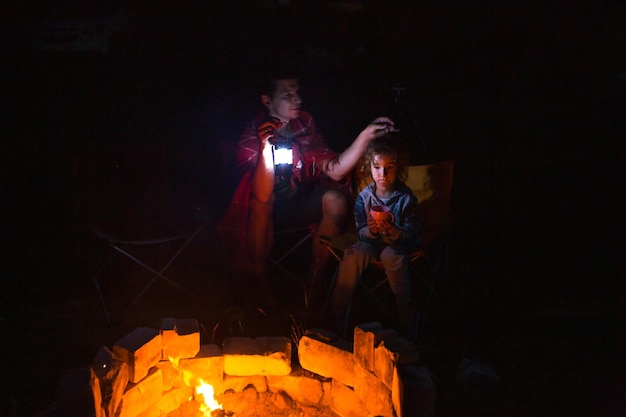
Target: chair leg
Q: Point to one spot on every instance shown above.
(278, 262)
(344, 321)
(371, 292)
(290, 251)
(107, 316)
(438, 271)
(157, 274)
(96, 281)
(329, 293)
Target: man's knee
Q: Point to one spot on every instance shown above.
(354, 257)
(334, 204)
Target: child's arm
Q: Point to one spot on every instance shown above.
(365, 226)
(405, 231)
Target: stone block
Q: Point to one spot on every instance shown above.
(244, 356)
(109, 377)
(172, 377)
(414, 392)
(302, 389)
(170, 400)
(239, 383)
(328, 358)
(141, 349)
(139, 396)
(327, 387)
(366, 338)
(391, 352)
(344, 401)
(208, 365)
(99, 405)
(373, 393)
(180, 338)
(397, 393)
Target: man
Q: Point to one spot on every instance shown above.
(310, 192)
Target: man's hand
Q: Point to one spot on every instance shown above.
(381, 126)
(267, 129)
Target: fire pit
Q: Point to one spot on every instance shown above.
(168, 372)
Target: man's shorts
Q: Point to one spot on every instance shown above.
(300, 210)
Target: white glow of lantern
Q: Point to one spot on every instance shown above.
(282, 155)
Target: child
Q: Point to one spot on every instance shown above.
(390, 241)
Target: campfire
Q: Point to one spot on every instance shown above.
(203, 391)
(168, 372)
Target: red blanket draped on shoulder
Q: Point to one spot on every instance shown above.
(311, 154)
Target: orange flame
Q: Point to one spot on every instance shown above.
(201, 388)
(208, 396)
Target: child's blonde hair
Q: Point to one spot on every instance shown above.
(387, 145)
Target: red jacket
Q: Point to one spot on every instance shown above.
(310, 155)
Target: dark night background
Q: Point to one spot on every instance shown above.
(526, 97)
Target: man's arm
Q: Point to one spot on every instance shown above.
(264, 175)
(341, 165)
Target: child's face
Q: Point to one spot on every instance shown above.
(384, 171)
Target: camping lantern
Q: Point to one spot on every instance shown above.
(282, 152)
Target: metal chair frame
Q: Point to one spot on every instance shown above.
(124, 198)
(121, 247)
(302, 235)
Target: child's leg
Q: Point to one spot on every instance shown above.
(396, 264)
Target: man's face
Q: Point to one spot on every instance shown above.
(285, 104)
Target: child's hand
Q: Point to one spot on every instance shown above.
(373, 226)
(385, 227)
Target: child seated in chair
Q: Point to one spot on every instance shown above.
(388, 240)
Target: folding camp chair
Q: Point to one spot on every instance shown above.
(432, 185)
(290, 246)
(124, 199)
